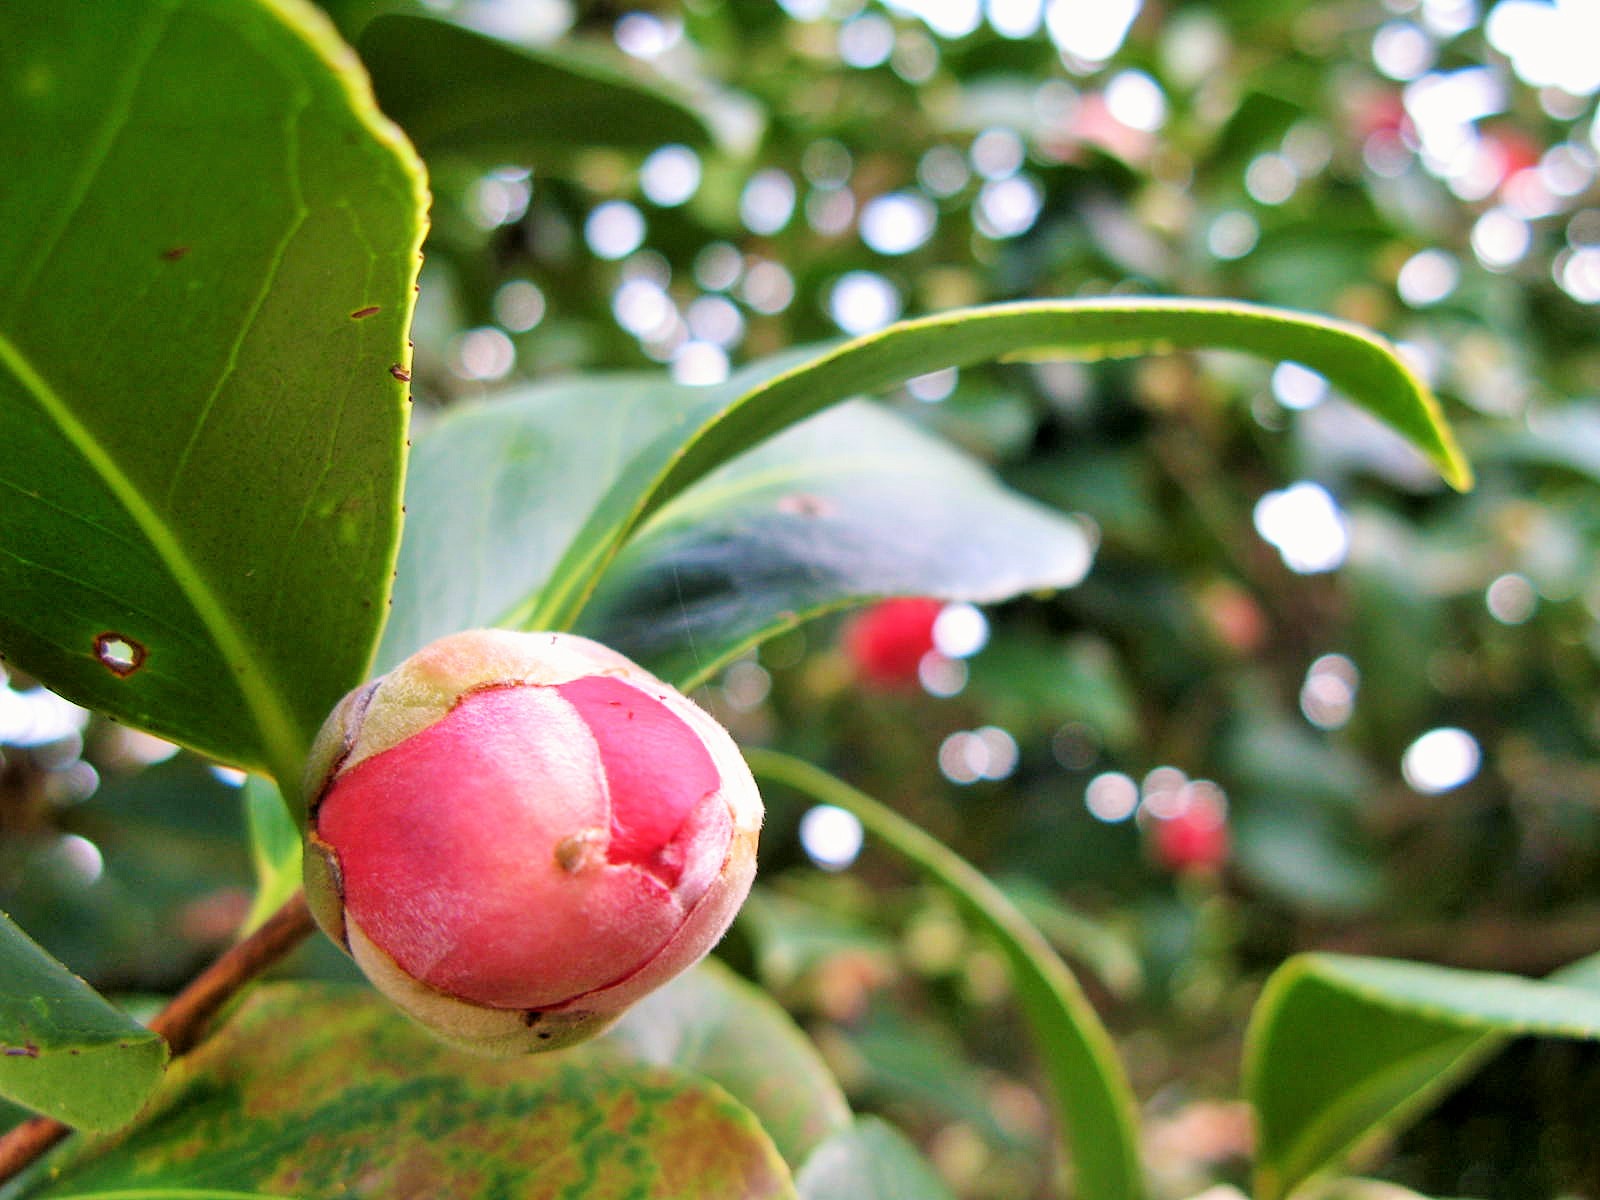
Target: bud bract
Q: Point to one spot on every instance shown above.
(518, 835)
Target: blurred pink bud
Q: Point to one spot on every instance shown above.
(1193, 839)
(886, 642)
(518, 835)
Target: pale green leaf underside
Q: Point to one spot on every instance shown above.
(1353, 360)
(1340, 1046)
(851, 504)
(518, 507)
(201, 440)
(1086, 1079)
(65, 1051)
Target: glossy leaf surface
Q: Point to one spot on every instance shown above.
(1349, 357)
(202, 406)
(518, 507)
(1340, 1046)
(497, 492)
(65, 1051)
(851, 504)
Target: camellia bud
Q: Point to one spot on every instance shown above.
(518, 835)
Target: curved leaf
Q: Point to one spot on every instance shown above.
(712, 1023)
(64, 1050)
(518, 507)
(1352, 359)
(459, 92)
(321, 1091)
(851, 504)
(202, 413)
(1339, 1047)
(496, 493)
(1090, 1088)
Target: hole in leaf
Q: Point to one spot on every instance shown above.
(120, 655)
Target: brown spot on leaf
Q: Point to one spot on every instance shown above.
(400, 373)
(364, 312)
(119, 654)
(174, 253)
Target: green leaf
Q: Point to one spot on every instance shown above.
(275, 849)
(518, 507)
(497, 492)
(1090, 1089)
(201, 440)
(1352, 359)
(851, 504)
(1339, 1047)
(869, 1161)
(458, 92)
(319, 1090)
(64, 1050)
(714, 1024)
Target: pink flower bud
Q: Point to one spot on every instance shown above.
(518, 835)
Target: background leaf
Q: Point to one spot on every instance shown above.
(1090, 1089)
(1340, 1046)
(459, 92)
(851, 504)
(496, 492)
(200, 434)
(868, 1161)
(64, 1050)
(712, 1023)
(311, 1091)
(275, 849)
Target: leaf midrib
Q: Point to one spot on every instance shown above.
(279, 733)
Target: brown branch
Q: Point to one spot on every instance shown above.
(184, 1020)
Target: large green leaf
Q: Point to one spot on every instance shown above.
(518, 507)
(1339, 1047)
(1352, 359)
(202, 407)
(65, 1051)
(458, 92)
(868, 1161)
(850, 504)
(324, 1091)
(712, 1023)
(1086, 1078)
